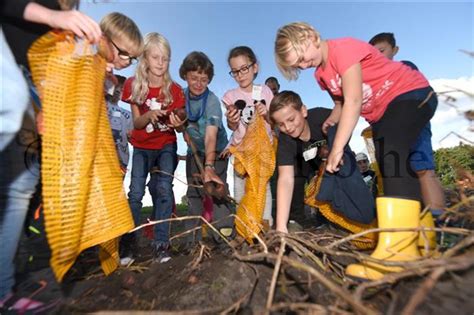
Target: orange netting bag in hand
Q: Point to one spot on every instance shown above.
(368, 241)
(83, 196)
(255, 159)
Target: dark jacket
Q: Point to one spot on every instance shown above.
(20, 34)
(345, 189)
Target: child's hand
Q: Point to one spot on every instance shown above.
(232, 114)
(334, 161)
(211, 176)
(155, 115)
(329, 122)
(282, 229)
(261, 109)
(233, 117)
(225, 154)
(176, 122)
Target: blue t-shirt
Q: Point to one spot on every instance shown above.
(212, 116)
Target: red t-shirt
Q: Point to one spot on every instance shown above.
(161, 134)
(383, 79)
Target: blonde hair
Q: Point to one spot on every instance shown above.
(293, 37)
(140, 87)
(115, 25)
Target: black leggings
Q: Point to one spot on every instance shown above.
(394, 134)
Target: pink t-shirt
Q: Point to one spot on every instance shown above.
(232, 96)
(383, 79)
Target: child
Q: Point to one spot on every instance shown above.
(421, 157)
(244, 69)
(273, 84)
(299, 128)
(22, 23)
(369, 176)
(153, 95)
(125, 38)
(120, 122)
(206, 131)
(396, 100)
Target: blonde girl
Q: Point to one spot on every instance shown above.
(153, 95)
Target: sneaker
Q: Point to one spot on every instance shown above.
(161, 254)
(126, 261)
(126, 255)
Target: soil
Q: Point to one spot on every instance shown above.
(213, 278)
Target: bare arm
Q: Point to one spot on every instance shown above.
(352, 91)
(75, 21)
(333, 117)
(210, 140)
(285, 185)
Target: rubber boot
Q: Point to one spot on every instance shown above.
(427, 239)
(391, 246)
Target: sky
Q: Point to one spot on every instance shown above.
(429, 33)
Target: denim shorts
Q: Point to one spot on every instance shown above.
(421, 153)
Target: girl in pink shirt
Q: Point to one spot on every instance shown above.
(242, 103)
(396, 100)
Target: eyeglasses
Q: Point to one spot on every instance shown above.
(203, 80)
(243, 70)
(125, 55)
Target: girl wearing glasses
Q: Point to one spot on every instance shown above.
(153, 95)
(242, 103)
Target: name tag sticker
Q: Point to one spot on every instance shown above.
(310, 154)
(257, 92)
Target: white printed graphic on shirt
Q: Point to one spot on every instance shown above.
(384, 88)
(153, 104)
(366, 96)
(335, 85)
(247, 114)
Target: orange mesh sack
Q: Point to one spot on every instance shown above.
(84, 201)
(255, 159)
(364, 242)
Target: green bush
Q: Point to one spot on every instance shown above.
(449, 160)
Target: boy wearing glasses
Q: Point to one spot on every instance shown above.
(125, 38)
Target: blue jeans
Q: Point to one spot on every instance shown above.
(19, 169)
(161, 185)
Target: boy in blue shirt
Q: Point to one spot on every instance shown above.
(421, 157)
